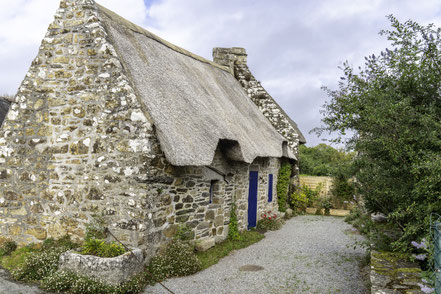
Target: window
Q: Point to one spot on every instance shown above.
(212, 188)
(270, 187)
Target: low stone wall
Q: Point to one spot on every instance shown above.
(392, 273)
(333, 212)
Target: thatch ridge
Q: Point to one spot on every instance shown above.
(128, 24)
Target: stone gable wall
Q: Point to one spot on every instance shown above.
(236, 59)
(76, 141)
(77, 144)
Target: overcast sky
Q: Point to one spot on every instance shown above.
(294, 46)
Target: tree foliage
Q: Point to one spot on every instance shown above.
(324, 160)
(393, 105)
(283, 185)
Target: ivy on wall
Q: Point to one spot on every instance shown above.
(283, 185)
(233, 227)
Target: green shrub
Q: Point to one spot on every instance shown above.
(65, 281)
(304, 197)
(30, 264)
(59, 281)
(355, 213)
(360, 220)
(298, 200)
(184, 233)
(16, 258)
(326, 205)
(102, 248)
(269, 222)
(96, 229)
(312, 194)
(134, 286)
(283, 185)
(342, 187)
(233, 226)
(7, 247)
(178, 260)
(63, 242)
(86, 285)
(38, 265)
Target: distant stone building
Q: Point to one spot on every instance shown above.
(111, 120)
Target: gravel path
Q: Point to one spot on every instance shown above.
(7, 286)
(310, 254)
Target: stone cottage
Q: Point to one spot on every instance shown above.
(113, 121)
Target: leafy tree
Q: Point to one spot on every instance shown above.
(324, 160)
(393, 105)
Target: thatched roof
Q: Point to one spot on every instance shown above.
(194, 103)
(4, 107)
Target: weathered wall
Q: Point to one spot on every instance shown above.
(78, 143)
(75, 131)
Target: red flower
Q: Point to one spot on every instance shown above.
(269, 218)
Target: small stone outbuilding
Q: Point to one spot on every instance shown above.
(113, 121)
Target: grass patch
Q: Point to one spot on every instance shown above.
(16, 258)
(213, 255)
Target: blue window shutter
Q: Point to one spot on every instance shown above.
(270, 188)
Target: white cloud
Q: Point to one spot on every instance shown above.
(134, 10)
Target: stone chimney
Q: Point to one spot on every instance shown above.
(230, 56)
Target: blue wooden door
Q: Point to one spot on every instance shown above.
(270, 187)
(252, 199)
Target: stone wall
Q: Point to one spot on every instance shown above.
(392, 272)
(77, 144)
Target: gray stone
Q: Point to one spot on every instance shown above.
(187, 199)
(251, 268)
(378, 218)
(205, 244)
(203, 225)
(209, 215)
(113, 270)
(219, 220)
